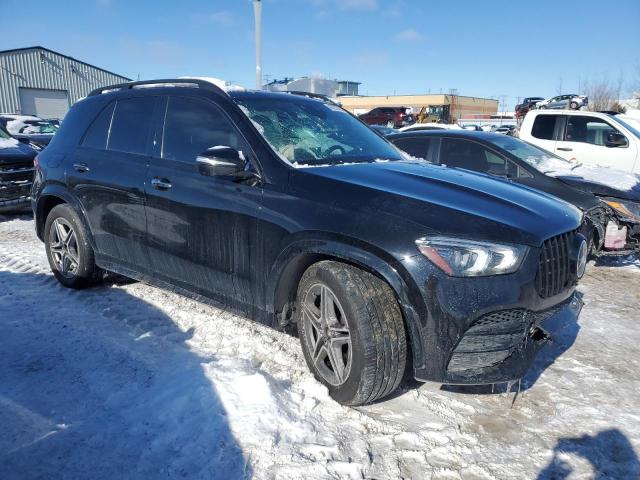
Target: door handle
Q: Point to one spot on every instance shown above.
(81, 167)
(565, 149)
(161, 183)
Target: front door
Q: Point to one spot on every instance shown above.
(202, 230)
(107, 176)
(585, 141)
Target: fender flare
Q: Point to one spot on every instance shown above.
(60, 191)
(361, 255)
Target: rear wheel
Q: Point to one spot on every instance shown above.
(70, 256)
(352, 332)
(573, 105)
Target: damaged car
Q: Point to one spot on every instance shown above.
(289, 210)
(16, 172)
(610, 224)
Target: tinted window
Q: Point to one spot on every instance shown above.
(473, 156)
(192, 126)
(131, 125)
(587, 130)
(416, 147)
(543, 126)
(96, 136)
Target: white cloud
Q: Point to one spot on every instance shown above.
(409, 35)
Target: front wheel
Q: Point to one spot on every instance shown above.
(573, 105)
(68, 251)
(352, 332)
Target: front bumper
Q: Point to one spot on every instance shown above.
(480, 330)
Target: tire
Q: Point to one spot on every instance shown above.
(573, 106)
(71, 258)
(367, 333)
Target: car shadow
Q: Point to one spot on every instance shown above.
(101, 384)
(632, 260)
(609, 452)
(8, 215)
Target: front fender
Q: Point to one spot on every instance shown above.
(286, 269)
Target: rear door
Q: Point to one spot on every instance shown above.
(201, 229)
(584, 139)
(107, 175)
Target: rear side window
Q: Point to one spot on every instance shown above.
(543, 127)
(416, 147)
(131, 125)
(98, 132)
(192, 126)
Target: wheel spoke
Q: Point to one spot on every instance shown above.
(312, 316)
(319, 349)
(337, 365)
(61, 233)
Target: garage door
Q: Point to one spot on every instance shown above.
(44, 103)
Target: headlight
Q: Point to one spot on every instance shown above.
(624, 207)
(467, 258)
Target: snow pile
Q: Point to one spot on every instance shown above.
(8, 142)
(611, 177)
(128, 381)
(17, 124)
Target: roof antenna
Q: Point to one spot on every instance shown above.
(257, 12)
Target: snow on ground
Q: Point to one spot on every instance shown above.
(129, 381)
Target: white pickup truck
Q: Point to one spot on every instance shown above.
(591, 138)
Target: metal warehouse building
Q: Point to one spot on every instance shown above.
(39, 81)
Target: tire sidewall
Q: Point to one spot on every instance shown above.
(350, 390)
(85, 254)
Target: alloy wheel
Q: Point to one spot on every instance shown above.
(63, 245)
(327, 334)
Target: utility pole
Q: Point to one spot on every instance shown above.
(257, 12)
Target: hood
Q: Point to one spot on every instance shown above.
(455, 202)
(601, 190)
(40, 140)
(584, 199)
(16, 151)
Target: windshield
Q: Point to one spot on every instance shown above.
(538, 158)
(628, 126)
(22, 126)
(4, 134)
(308, 132)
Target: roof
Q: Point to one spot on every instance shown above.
(446, 133)
(14, 50)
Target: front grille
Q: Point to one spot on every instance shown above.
(554, 267)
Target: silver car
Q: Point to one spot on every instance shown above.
(572, 101)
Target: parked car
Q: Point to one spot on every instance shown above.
(606, 209)
(506, 129)
(590, 138)
(16, 172)
(394, 117)
(292, 211)
(28, 128)
(527, 104)
(382, 130)
(572, 101)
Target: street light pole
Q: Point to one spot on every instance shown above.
(257, 12)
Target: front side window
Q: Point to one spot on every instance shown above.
(590, 130)
(473, 156)
(192, 126)
(131, 125)
(414, 146)
(308, 132)
(98, 132)
(543, 126)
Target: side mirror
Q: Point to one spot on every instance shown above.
(220, 161)
(616, 139)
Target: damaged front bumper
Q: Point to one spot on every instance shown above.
(501, 346)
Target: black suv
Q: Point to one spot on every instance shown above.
(288, 209)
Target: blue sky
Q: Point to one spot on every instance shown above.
(505, 49)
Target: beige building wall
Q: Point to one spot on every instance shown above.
(462, 105)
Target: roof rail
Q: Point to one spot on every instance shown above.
(162, 82)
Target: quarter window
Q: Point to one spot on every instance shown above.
(543, 127)
(131, 125)
(192, 126)
(585, 129)
(98, 132)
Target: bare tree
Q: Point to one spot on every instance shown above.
(604, 94)
(559, 86)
